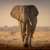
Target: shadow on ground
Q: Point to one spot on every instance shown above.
(10, 47)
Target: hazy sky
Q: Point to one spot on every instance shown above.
(42, 5)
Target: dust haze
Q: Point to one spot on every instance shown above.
(9, 29)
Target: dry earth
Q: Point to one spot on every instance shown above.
(12, 40)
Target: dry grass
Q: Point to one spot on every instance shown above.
(13, 41)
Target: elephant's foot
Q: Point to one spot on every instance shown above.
(25, 45)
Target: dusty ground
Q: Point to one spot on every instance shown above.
(12, 40)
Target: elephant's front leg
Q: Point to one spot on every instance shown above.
(21, 30)
(30, 41)
(31, 34)
(27, 34)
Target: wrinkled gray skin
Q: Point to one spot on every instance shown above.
(27, 17)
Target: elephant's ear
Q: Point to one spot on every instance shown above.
(34, 11)
(15, 12)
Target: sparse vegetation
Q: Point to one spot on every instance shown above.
(41, 40)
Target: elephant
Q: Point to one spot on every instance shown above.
(27, 18)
